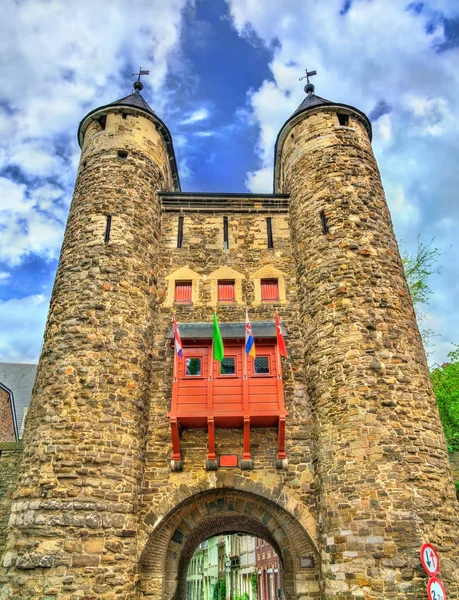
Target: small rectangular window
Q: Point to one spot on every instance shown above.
(193, 367)
(183, 292)
(261, 364)
(228, 366)
(180, 233)
(269, 290)
(226, 291)
(225, 233)
(102, 121)
(269, 227)
(108, 228)
(343, 119)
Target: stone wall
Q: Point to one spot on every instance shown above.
(10, 460)
(454, 460)
(383, 475)
(6, 417)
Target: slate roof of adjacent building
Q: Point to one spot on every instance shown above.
(19, 379)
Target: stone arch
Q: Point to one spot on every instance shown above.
(171, 544)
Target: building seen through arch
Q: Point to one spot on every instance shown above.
(234, 567)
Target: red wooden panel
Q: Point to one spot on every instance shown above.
(269, 290)
(228, 460)
(226, 291)
(182, 292)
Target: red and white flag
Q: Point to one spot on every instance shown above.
(280, 337)
(177, 340)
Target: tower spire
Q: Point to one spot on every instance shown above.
(138, 85)
(309, 87)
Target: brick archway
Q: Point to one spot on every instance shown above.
(169, 549)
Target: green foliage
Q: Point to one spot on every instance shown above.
(219, 591)
(244, 596)
(419, 266)
(254, 582)
(215, 591)
(445, 381)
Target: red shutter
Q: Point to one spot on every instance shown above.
(226, 291)
(182, 292)
(269, 290)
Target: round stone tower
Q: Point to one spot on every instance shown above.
(383, 477)
(75, 504)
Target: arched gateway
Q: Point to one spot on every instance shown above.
(137, 448)
(171, 544)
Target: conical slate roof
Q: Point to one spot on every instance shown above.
(136, 100)
(311, 101)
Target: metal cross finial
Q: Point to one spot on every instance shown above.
(138, 85)
(308, 88)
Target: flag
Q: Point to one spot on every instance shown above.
(177, 340)
(249, 339)
(280, 337)
(219, 351)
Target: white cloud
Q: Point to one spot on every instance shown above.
(22, 321)
(207, 133)
(198, 115)
(4, 276)
(378, 52)
(60, 60)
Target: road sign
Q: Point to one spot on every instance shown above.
(429, 559)
(435, 589)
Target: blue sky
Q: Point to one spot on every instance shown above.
(224, 77)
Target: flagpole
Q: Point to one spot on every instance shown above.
(212, 356)
(245, 349)
(174, 367)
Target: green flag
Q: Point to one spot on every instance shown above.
(218, 342)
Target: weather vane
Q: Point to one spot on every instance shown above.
(308, 88)
(138, 85)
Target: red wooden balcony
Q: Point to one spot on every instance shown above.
(239, 392)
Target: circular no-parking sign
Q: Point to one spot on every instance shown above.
(429, 559)
(435, 589)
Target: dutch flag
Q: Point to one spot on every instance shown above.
(177, 340)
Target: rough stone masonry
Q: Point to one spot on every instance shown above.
(98, 513)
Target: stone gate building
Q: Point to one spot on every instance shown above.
(334, 455)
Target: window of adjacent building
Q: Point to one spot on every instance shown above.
(226, 290)
(261, 365)
(269, 290)
(193, 367)
(182, 292)
(228, 366)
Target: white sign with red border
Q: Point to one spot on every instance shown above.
(435, 589)
(429, 559)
